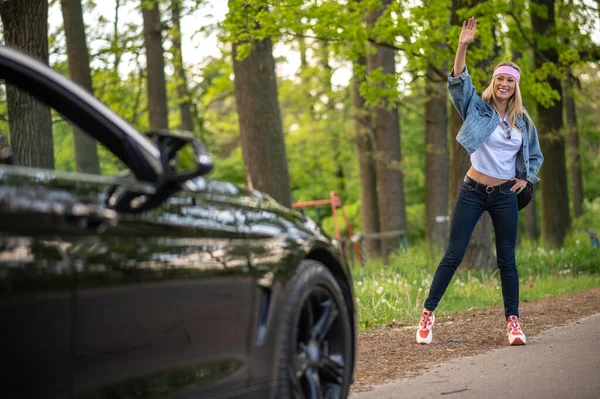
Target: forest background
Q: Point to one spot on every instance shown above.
(299, 98)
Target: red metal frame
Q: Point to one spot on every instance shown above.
(335, 202)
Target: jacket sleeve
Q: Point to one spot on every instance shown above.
(461, 91)
(535, 156)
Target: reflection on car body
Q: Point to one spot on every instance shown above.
(157, 282)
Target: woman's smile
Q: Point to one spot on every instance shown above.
(504, 86)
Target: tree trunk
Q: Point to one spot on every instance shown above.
(556, 220)
(260, 122)
(185, 106)
(366, 165)
(116, 47)
(86, 153)
(531, 224)
(333, 132)
(302, 51)
(436, 160)
(386, 127)
(157, 88)
(30, 122)
(574, 154)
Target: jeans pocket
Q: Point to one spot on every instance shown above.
(465, 186)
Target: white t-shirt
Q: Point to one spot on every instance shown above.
(497, 156)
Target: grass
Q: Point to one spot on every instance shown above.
(396, 292)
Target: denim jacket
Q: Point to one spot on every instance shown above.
(480, 120)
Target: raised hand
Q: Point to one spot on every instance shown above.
(467, 34)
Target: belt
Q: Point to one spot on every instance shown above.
(485, 188)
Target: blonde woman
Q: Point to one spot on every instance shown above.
(502, 142)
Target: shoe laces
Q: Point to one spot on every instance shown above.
(426, 321)
(514, 325)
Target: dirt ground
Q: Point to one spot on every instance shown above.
(391, 353)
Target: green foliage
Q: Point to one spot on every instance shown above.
(380, 89)
(569, 57)
(415, 222)
(544, 93)
(230, 168)
(64, 151)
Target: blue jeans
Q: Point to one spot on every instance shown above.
(470, 205)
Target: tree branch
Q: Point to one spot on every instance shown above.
(443, 75)
(386, 45)
(329, 40)
(590, 54)
(527, 39)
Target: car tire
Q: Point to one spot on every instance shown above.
(316, 352)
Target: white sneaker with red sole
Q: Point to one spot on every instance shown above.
(514, 331)
(424, 333)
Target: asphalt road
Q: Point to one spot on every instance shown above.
(562, 363)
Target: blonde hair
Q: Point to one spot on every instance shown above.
(515, 103)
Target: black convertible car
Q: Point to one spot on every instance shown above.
(159, 282)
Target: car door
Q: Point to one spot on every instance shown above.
(36, 293)
(48, 219)
(163, 304)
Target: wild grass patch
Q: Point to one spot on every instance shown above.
(396, 292)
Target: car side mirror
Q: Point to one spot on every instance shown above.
(183, 156)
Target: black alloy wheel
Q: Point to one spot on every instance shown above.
(317, 350)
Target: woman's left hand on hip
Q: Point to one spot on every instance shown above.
(519, 185)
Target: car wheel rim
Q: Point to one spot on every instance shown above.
(320, 361)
